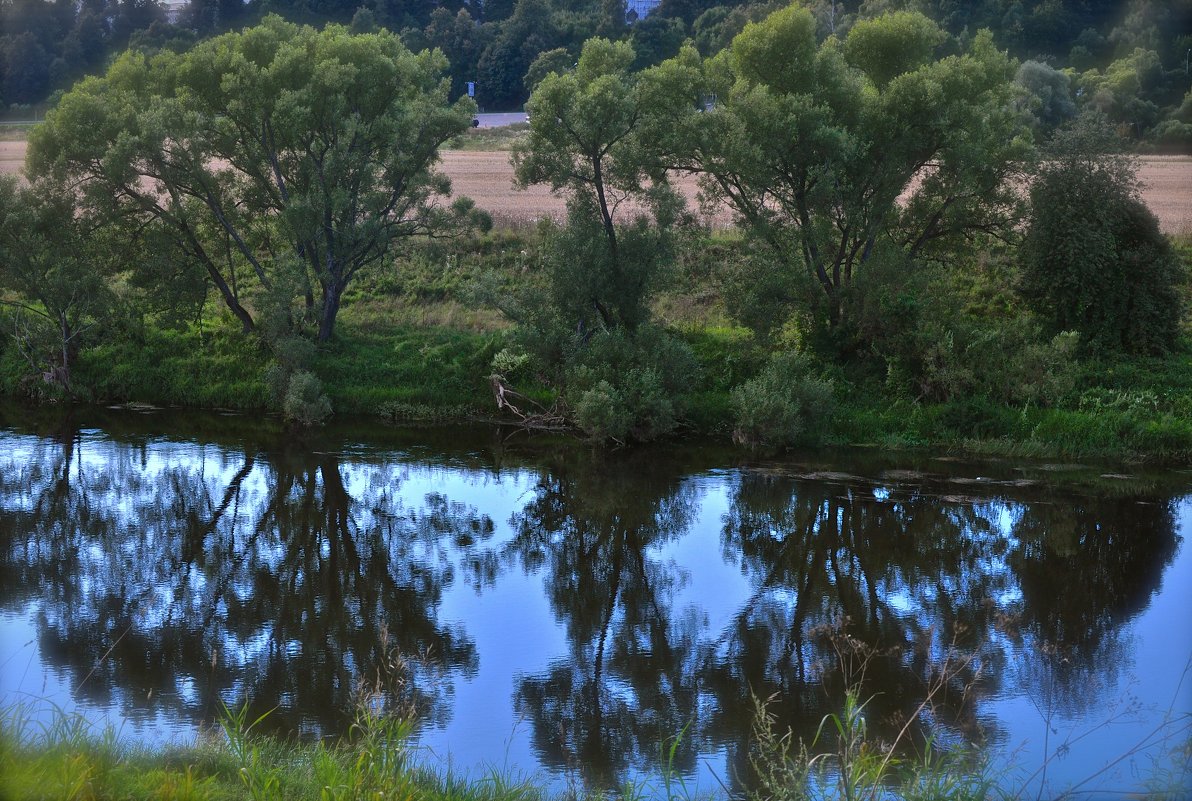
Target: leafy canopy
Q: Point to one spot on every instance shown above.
(586, 141)
(277, 149)
(54, 274)
(837, 153)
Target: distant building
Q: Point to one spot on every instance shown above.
(638, 9)
(173, 9)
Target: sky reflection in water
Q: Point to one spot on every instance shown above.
(563, 613)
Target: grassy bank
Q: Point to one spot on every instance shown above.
(412, 344)
(66, 760)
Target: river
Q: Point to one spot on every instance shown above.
(553, 611)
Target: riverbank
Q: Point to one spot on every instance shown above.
(66, 760)
(413, 345)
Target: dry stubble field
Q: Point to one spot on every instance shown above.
(487, 178)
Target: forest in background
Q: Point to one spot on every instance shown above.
(1129, 60)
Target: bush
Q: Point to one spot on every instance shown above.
(942, 353)
(1173, 136)
(1094, 260)
(783, 405)
(305, 402)
(603, 413)
(629, 386)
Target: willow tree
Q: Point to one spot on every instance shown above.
(54, 265)
(585, 142)
(839, 153)
(260, 150)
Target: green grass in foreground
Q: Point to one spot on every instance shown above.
(65, 761)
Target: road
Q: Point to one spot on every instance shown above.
(503, 118)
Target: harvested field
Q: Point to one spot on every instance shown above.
(12, 156)
(487, 178)
(1167, 190)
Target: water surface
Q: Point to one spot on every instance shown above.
(563, 613)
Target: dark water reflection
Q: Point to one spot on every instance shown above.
(568, 612)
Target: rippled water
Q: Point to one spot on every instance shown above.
(565, 613)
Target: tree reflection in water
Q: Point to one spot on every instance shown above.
(629, 679)
(270, 572)
(223, 575)
(921, 578)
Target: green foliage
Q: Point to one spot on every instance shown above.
(957, 332)
(628, 386)
(557, 61)
(819, 148)
(219, 369)
(331, 136)
(784, 405)
(891, 45)
(1009, 362)
(588, 331)
(603, 412)
(400, 370)
(305, 403)
(844, 761)
(54, 276)
(1094, 260)
(1047, 96)
(585, 139)
(596, 285)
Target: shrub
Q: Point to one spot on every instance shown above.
(783, 405)
(305, 403)
(1094, 260)
(603, 413)
(629, 386)
(940, 352)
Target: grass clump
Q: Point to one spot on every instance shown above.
(499, 138)
(65, 760)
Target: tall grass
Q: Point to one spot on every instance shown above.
(65, 759)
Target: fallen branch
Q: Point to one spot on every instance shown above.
(538, 417)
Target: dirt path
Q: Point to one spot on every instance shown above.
(487, 178)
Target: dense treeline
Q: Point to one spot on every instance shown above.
(264, 182)
(1128, 60)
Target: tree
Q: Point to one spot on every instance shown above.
(585, 129)
(621, 378)
(461, 39)
(656, 38)
(1094, 260)
(51, 259)
(277, 148)
(531, 29)
(838, 154)
(557, 60)
(1047, 95)
(25, 69)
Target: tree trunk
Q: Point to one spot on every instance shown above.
(332, 292)
(67, 349)
(229, 297)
